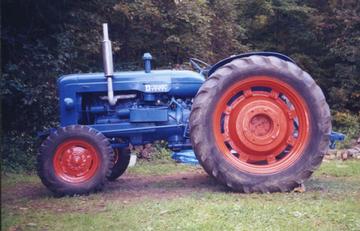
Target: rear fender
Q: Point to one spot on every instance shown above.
(262, 53)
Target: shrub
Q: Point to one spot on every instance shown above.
(18, 152)
(348, 124)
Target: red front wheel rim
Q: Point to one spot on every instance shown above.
(261, 125)
(76, 161)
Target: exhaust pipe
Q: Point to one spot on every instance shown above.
(108, 64)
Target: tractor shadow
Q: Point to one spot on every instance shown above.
(135, 186)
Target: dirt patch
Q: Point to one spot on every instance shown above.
(25, 191)
(176, 185)
(131, 188)
(127, 189)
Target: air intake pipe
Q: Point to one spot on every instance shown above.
(108, 64)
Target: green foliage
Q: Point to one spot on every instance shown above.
(42, 40)
(170, 30)
(18, 152)
(348, 124)
(162, 152)
(153, 152)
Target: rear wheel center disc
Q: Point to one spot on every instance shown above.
(260, 125)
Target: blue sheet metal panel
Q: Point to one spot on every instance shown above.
(179, 82)
(148, 115)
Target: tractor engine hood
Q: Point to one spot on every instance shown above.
(178, 83)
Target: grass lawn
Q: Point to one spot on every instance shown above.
(168, 196)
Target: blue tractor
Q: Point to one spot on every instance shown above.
(256, 122)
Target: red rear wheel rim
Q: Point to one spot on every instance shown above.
(261, 125)
(76, 161)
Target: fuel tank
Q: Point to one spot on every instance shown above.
(177, 83)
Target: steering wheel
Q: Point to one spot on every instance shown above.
(199, 65)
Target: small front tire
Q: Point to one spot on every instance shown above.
(74, 160)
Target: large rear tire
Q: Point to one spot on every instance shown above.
(269, 125)
(74, 160)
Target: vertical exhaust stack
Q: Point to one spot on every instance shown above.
(108, 64)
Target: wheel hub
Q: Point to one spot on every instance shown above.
(76, 161)
(260, 125)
